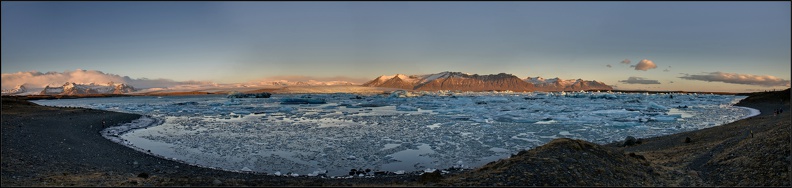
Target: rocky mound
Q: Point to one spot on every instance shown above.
(776, 96)
(564, 162)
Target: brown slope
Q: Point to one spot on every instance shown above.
(726, 155)
(376, 82)
(729, 155)
(563, 162)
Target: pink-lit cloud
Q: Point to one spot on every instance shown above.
(626, 61)
(736, 78)
(645, 65)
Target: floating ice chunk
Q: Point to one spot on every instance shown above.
(486, 99)
(433, 126)
(430, 170)
(400, 172)
(317, 172)
(564, 133)
(547, 122)
(603, 96)
(351, 157)
(402, 94)
(231, 102)
(655, 106)
(619, 111)
(551, 136)
(285, 109)
(664, 118)
(406, 108)
(246, 169)
(242, 112)
(277, 173)
(302, 101)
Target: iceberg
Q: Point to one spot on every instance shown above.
(302, 101)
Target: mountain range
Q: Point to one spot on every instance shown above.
(454, 81)
(19, 89)
(474, 82)
(71, 88)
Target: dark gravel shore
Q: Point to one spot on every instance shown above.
(48, 146)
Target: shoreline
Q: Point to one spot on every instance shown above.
(148, 171)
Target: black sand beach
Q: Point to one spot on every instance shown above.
(48, 146)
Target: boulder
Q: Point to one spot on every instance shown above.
(629, 141)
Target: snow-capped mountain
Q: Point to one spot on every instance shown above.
(474, 82)
(557, 84)
(70, 88)
(452, 81)
(19, 89)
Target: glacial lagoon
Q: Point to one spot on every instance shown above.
(401, 132)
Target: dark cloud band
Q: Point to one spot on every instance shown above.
(736, 78)
(639, 80)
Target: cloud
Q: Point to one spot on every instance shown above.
(35, 79)
(638, 80)
(666, 70)
(609, 66)
(644, 65)
(736, 78)
(626, 61)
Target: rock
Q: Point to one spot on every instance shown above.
(430, 177)
(637, 156)
(143, 175)
(629, 141)
(687, 139)
(217, 182)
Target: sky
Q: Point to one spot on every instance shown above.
(690, 46)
